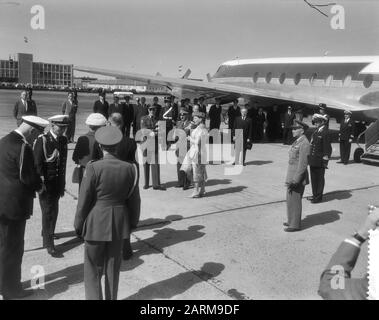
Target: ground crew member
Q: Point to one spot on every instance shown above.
(108, 207)
(50, 155)
(346, 136)
(19, 181)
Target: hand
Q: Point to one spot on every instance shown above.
(152, 134)
(325, 164)
(350, 140)
(234, 139)
(248, 140)
(42, 190)
(371, 223)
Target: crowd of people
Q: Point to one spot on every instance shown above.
(33, 160)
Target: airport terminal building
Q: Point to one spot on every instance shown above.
(22, 69)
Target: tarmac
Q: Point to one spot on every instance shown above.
(228, 245)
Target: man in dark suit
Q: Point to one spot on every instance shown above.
(19, 181)
(341, 265)
(215, 115)
(346, 136)
(101, 105)
(50, 156)
(289, 117)
(24, 107)
(202, 106)
(108, 208)
(320, 153)
(139, 111)
(234, 111)
(128, 115)
(116, 106)
(243, 135)
(69, 107)
(158, 109)
(149, 129)
(260, 124)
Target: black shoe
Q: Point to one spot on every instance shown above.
(162, 188)
(127, 255)
(146, 187)
(179, 186)
(286, 224)
(339, 161)
(316, 200)
(18, 295)
(56, 237)
(186, 187)
(291, 229)
(54, 253)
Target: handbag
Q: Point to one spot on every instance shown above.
(75, 175)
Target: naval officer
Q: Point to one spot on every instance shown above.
(108, 207)
(50, 154)
(297, 176)
(346, 136)
(320, 153)
(19, 181)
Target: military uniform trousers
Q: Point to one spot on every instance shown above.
(318, 182)
(102, 257)
(294, 206)
(49, 203)
(12, 234)
(152, 160)
(182, 176)
(345, 148)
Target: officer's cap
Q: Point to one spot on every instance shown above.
(36, 122)
(167, 99)
(59, 120)
(299, 125)
(184, 111)
(198, 114)
(322, 106)
(347, 112)
(318, 117)
(108, 136)
(152, 107)
(96, 119)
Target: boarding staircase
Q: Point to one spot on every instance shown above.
(371, 155)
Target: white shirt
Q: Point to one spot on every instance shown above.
(54, 135)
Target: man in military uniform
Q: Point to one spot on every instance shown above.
(289, 117)
(140, 111)
(50, 154)
(151, 153)
(320, 153)
(297, 176)
(108, 209)
(346, 136)
(19, 181)
(323, 112)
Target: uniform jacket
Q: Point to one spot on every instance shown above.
(126, 150)
(109, 200)
(320, 147)
(20, 109)
(247, 127)
(18, 178)
(69, 109)
(215, 117)
(50, 156)
(298, 161)
(102, 108)
(355, 289)
(346, 130)
(86, 149)
(288, 119)
(151, 124)
(232, 115)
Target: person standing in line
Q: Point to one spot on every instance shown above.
(289, 117)
(202, 105)
(87, 148)
(234, 111)
(297, 176)
(109, 199)
(320, 153)
(141, 110)
(101, 105)
(69, 108)
(346, 137)
(50, 156)
(116, 106)
(23, 108)
(260, 122)
(243, 135)
(128, 115)
(19, 181)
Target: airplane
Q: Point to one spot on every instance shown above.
(340, 82)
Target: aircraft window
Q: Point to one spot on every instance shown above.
(282, 78)
(367, 82)
(329, 80)
(347, 80)
(268, 77)
(297, 78)
(255, 78)
(313, 78)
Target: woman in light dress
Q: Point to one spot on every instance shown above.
(196, 157)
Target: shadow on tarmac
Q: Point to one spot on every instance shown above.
(257, 163)
(320, 218)
(153, 223)
(182, 282)
(336, 195)
(221, 192)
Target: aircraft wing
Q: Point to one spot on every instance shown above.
(214, 89)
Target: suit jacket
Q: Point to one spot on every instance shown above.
(86, 149)
(355, 289)
(215, 117)
(288, 119)
(50, 156)
(18, 178)
(69, 109)
(298, 161)
(320, 147)
(109, 200)
(139, 112)
(232, 115)
(119, 108)
(102, 108)
(247, 127)
(20, 109)
(346, 130)
(126, 150)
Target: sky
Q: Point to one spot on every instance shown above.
(150, 36)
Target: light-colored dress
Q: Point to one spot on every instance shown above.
(196, 157)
